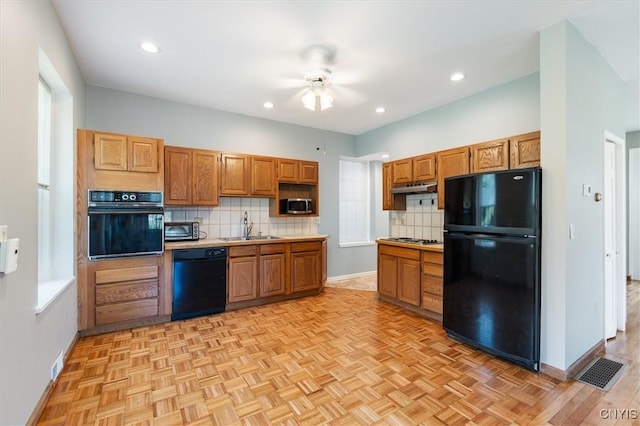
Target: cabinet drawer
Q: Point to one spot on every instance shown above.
(432, 303)
(126, 274)
(431, 284)
(307, 246)
(243, 251)
(407, 253)
(271, 248)
(124, 292)
(126, 311)
(432, 269)
(433, 257)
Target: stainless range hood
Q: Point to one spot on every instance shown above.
(415, 188)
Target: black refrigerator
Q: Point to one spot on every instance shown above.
(491, 294)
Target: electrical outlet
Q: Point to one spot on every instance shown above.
(318, 220)
(4, 232)
(198, 219)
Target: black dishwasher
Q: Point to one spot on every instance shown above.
(199, 282)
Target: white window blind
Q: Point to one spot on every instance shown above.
(354, 207)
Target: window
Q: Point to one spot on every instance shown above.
(354, 207)
(55, 186)
(44, 181)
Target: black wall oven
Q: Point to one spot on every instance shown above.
(125, 223)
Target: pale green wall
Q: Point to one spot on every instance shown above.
(192, 126)
(576, 108)
(29, 343)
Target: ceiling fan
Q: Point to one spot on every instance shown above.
(318, 86)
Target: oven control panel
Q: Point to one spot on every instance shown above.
(98, 196)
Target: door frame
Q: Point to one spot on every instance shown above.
(620, 290)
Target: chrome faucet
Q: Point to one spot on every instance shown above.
(247, 227)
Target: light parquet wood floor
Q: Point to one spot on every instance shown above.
(340, 358)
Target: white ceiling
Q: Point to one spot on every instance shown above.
(235, 55)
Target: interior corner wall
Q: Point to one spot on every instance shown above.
(632, 142)
(576, 108)
(29, 343)
(186, 125)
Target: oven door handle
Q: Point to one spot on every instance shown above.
(125, 210)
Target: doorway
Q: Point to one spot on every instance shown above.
(614, 197)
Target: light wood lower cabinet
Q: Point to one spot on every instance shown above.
(432, 272)
(272, 270)
(399, 273)
(125, 292)
(305, 266)
(411, 278)
(243, 274)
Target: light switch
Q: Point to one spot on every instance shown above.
(586, 190)
(9, 255)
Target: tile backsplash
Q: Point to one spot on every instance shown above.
(226, 219)
(422, 219)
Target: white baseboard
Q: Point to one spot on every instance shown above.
(350, 276)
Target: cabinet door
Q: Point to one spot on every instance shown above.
(490, 156)
(288, 170)
(525, 150)
(409, 281)
(424, 168)
(234, 174)
(451, 162)
(243, 279)
(308, 172)
(305, 271)
(205, 177)
(263, 176)
(142, 154)
(402, 171)
(387, 275)
(391, 201)
(272, 274)
(177, 175)
(110, 152)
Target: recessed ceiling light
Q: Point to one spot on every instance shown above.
(457, 76)
(268, 105)
(147, 46)
(380, 110)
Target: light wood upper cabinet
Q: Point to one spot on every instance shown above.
(178, 164)
(125, 153)
(288, 170)
(297, 171)
(391, 201)
(451, 162)
(402, 171)
(490, 156)
(235, 174)
(525, 150)
(205, 177)
(263, 176)
(308, 172)
(424, 168)
(191, 176)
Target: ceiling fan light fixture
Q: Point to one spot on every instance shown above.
(316, 97)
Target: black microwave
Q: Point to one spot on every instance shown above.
(295, 206)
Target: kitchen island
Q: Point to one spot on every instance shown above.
(410, 276)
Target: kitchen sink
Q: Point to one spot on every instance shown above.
(256, 237)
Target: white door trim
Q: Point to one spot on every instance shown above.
(621, 229)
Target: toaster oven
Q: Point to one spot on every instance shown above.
(181, 231)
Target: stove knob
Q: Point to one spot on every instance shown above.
(125, 197)
(132, 197)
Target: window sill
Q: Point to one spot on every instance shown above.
(358, 244)
(48, 291)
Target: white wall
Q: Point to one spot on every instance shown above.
(186, 125)
(576, 108)
(29, 343)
